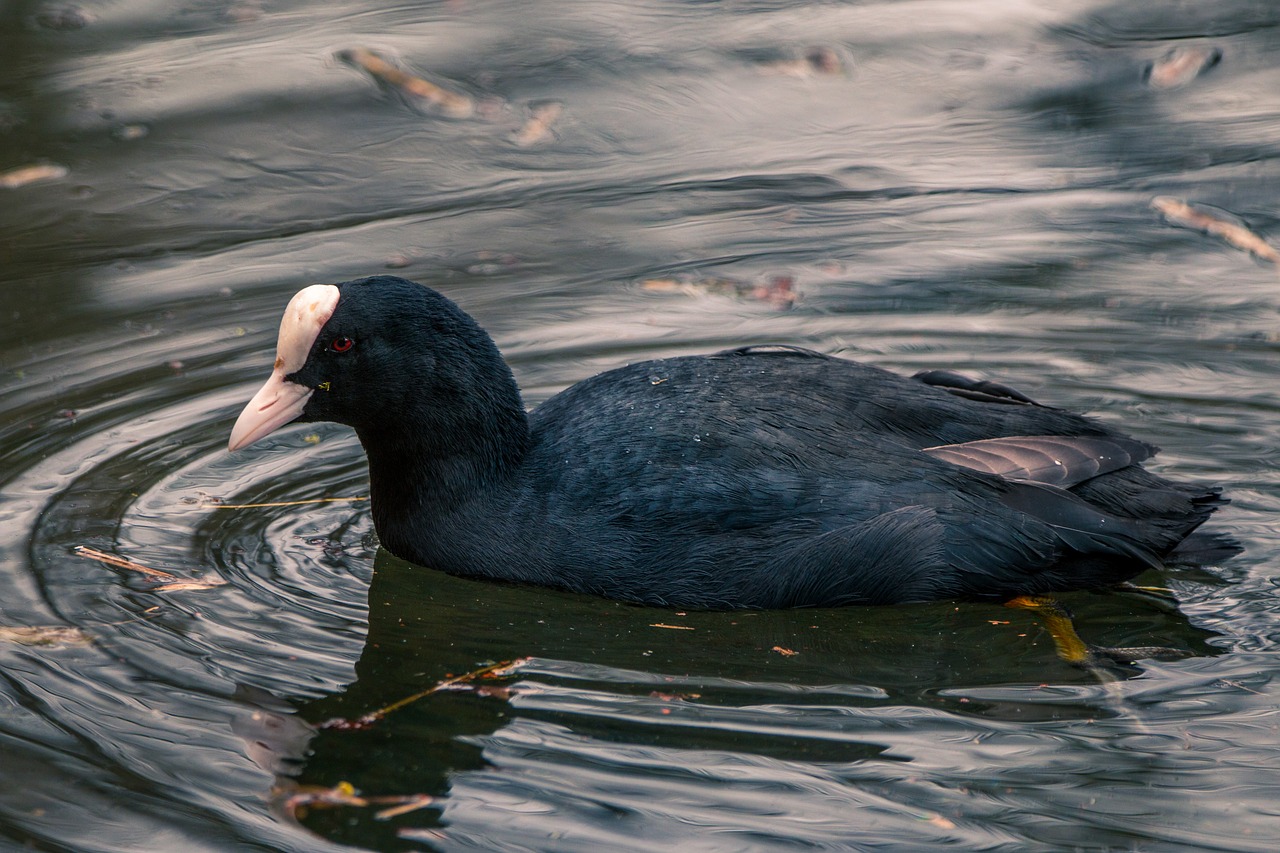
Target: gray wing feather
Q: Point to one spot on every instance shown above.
(1054, 460)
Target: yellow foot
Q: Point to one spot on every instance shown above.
(1072, 649)
(1057, 619)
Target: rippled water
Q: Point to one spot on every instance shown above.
(957, 184)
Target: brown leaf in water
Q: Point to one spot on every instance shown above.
(786, 653)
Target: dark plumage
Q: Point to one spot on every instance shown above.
(757, 477)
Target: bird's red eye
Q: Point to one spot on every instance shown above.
(341, 344)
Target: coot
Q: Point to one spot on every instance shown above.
(757, 477)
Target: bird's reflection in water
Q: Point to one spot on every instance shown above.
(646, 686)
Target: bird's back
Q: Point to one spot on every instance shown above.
(767, 478)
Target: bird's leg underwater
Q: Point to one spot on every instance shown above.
(1072, 649)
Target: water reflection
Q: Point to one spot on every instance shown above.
(772, 726)
(971, 190)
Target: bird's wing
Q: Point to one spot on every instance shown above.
(1062, 461)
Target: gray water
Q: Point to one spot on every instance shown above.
(959, 184)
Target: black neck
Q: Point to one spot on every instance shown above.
(425, 466)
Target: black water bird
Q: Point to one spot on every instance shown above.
(757, 477)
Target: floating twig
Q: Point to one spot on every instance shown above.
(180, 586)
(294, 801)
(449, 103)
(166, 581)
(1178, 212)
(122, 563)
(216, 505)
(23, 175)
(406, 804)
(497, 670)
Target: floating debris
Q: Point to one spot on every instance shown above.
(537, 128)
(1181, 65)
(130, 132)
(816, 61)
(410, 833)
(122, 563)
(166, 582)
(44, 635)
(786, 653)
(466, 681)
(778, 290)
(295, 801)
(674, 697)
(1180, 213)
(216, 503)
(33, 174)
(410, 803)
(672, 627)
(181, 586)
(451, 104)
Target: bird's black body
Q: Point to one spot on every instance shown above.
(751, 478)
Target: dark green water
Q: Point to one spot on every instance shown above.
(970, 190)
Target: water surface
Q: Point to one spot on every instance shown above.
(958, 185)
